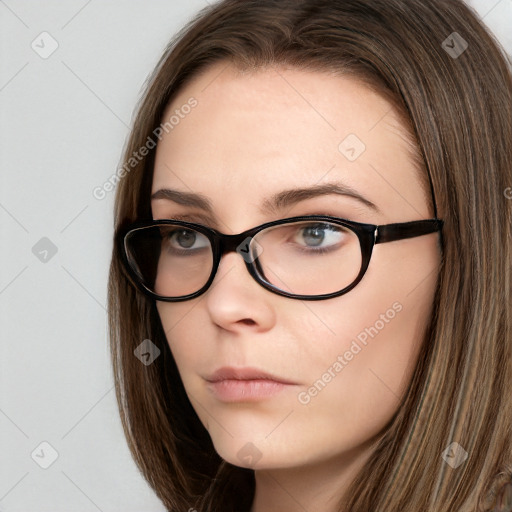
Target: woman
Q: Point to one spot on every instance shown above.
(350, 349)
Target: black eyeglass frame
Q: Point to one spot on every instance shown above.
(368, 235)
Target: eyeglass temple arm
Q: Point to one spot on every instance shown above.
(400, 231)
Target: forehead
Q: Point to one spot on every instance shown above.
(253, 133)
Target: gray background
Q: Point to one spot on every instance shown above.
(63, 124)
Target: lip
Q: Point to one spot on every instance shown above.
(230, 384)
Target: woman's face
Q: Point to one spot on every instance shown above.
(347, 360)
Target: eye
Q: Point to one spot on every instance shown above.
(182, 239)
(319, 237)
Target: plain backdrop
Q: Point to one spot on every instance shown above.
(63, 123)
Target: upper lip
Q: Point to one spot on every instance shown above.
(231, 373)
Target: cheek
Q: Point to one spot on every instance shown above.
(356, 384)
(386, 313)
(360, 369)
(184, 335)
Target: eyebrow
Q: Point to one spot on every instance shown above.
(278, 201)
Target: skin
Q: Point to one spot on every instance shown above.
(252, 135)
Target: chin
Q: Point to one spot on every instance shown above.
(256, 452)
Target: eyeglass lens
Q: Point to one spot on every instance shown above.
(302, 258)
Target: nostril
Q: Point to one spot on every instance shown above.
(248, 321)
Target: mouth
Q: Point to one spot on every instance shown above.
(245, 384)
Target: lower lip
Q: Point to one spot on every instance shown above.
(232, 390)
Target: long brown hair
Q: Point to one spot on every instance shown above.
(450, 80)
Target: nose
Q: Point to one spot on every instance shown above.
(235, 251)
(245, 252)
(231, 260)
(238, 244)
(235, 300)
(234, 243)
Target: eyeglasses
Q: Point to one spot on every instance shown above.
(311, 257)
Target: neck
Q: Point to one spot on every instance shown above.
(311, 487)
